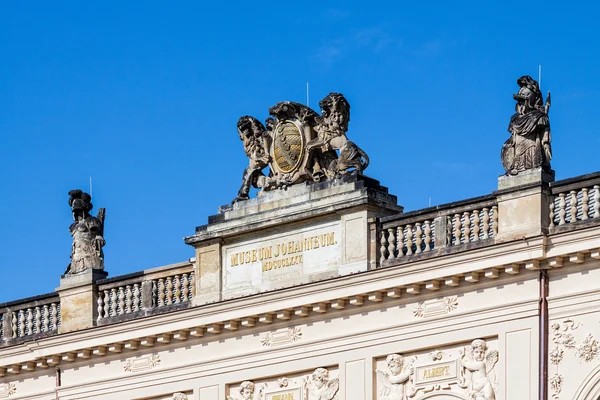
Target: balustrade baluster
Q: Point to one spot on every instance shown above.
(427, 235)
(54, 315)
(391, 244)
(573, 206)
(161, 292)
(169, 290)
(409, 240)
(457, 229)
(585, 206)
(419, 237)
(100, 303)
(476, 225)
(106, 304)
(114, 300)
(400, 240)
(192, 284)
(177, 284)
(383, 247)
(551, 212)
(495, 221)
(121, 301)
(185, 284)
(562, 209)
(38, 320)
(486, 223)
(14, 325)
(29, 325)
(46, 326)
(596, 201)
(128, 299)
(136, 297)
(467, 235)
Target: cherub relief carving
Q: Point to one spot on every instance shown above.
(394, 382)
(477, 366)
(320, 386)
(247, 392)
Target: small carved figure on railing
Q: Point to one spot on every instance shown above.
(256, 146)
(331, 131)
(477, 366)
(394, 382)
(529, 144)
(321, 387)
(88, 234)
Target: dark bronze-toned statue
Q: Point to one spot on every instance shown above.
(256, 144)
(299, 145)
(88, 234)
(529, 146)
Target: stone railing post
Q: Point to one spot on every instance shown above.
(147, 295)
(207, 270)
(441, 232)
(79, 300)
(523, 204)
(7, 325)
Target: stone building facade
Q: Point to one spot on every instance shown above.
(328, 290)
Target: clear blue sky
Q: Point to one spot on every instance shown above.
(145, 96)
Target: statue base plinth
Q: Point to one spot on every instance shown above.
(78, 300)
(531, 176)
(284, 238)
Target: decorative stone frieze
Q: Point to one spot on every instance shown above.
(7, 390)
(431, 308)
(136, 364)
(281, 337)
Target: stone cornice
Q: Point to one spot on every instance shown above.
(311, 300)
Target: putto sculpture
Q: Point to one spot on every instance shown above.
(321, 387)
(247, 392)
(529, 145)
(299, 145)
(477, 364)
(395, 379)
(88, 234)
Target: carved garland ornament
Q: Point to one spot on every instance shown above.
(280, 337)
(435, 307)
(136, 364)
(564, 339)
(318, 385)
(7, 390)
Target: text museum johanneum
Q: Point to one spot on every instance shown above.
(321, 287)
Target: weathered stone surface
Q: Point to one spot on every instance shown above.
(299, 145)
(536, 175)
(306, 233)
(78, 300)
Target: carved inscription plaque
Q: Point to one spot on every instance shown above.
(284, 394)
(436, 372)
(290, 256)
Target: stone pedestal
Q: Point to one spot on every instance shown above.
(284, 238)
(78, 300)
(523, 204)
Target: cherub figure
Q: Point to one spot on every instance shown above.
(394, 382)
(247, 389)
(320, 387)
(477, 366)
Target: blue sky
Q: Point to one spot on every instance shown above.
(145, 96)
